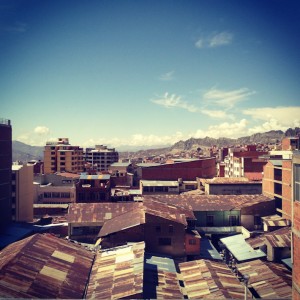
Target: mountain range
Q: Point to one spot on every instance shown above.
(24, 152)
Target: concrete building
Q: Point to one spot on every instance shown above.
(22, 193)
(244, 162)
(101, 157)
(296, 226)
(5, 172)
(93, 188)
(231, 186)
(60, 156)
(58, 188)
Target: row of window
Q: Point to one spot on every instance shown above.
(64, 195)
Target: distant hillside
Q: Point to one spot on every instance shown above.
(270, 137)
(24, 152)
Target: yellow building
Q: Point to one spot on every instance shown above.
(22, 193)
(60, 156)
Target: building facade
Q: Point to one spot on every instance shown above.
(277, 183)
(296, 226)
(101, 157)
(60, 156)
(22, 193)
(5, 171)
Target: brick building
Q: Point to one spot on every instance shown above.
(277, 183)
(244, 162)
(5, 171)
(186, 169)
(296, 227)
(60, 156)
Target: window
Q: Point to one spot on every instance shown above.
(297, 182)
(157, 229)
(65, 195)
(232, 220)
(192, 242)
(209, 221)
(55, 195)
(171, 229)
(164, 241)
(47, 195)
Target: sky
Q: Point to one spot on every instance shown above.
(148, 73)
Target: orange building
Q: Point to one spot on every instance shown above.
(296, 227)
(60, 156)
(277, 184)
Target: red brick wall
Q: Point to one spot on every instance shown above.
(268, 186)
(287, 189)
(205, 168)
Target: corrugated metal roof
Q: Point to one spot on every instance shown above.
(43, 266)
(280, 238)
(208, 251)
(98, 212)
(210, 279)
(212, 202)
(242, 251)
(167, 211)
(275, 220)
(127, 220)
(159, 183)
(265, 282)
(277, 238)
(161, 281)
(117, 273)
(94, 177)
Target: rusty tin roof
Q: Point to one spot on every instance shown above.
(265, 282)
(209, 279)
(43, 266)
(117, 273)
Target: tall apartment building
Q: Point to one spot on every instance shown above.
(296, 227)
(22, 193)
(244, 162)
(277, 184)
(60, 156)
(101, 157)
(5, 171)
(277, 177)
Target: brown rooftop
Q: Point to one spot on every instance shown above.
(209, 279)
(265, 282)
(129, 219)
(117, 273)
(213, 202)
(98, 212)
(43, 266)
(277, 238)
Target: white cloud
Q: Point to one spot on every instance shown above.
(288, 116)
(41, 130)
(221, 39)
(167, 76)
(169, 101)
(227, 99)
(138, 140)
(215, 40)
(230, 130)
(218, 114)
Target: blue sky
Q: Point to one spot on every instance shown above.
(148, 73)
